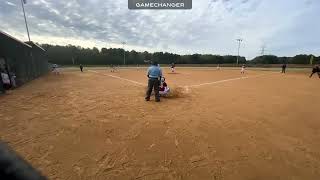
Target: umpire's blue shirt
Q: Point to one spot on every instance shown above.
(154, 72)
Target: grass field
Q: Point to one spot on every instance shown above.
(219, 125)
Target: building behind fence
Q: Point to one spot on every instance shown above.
(26, 61)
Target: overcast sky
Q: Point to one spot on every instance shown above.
(284, 27)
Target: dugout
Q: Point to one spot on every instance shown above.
(26, 61)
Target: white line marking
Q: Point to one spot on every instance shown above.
(216, 82)
(191, 86)
(226, 80)
(117, 77)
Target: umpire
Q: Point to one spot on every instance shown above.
(154, 75)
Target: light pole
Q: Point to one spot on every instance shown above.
(239, 41)
(263, 49)
(124, 53)
(25, 19)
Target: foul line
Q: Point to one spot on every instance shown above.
(225, 80)
(191, 86)
(117, 77)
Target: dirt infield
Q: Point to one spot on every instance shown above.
(221, 126)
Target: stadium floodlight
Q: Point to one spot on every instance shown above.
(124, 53)
(25, 19)
(239, 41)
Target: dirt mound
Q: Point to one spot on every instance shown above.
(178, 92)
(175, 92)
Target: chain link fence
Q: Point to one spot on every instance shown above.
(23, 62)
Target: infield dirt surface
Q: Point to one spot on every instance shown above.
(218, 125)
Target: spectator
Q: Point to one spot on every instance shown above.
(5, 80)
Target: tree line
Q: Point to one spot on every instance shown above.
(298, 59)
(69, 55)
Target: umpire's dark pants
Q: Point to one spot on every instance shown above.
(153, 83)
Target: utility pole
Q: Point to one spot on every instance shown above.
(239, 41)
(25, 19)
(263, 50)
(124, 53)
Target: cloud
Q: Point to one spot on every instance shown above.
(286, 27)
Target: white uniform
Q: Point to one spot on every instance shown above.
(165, 92)
(55, 69)
(242, 69)
(173, 68)
(13, 80)
(166, 88)
(5, 78)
